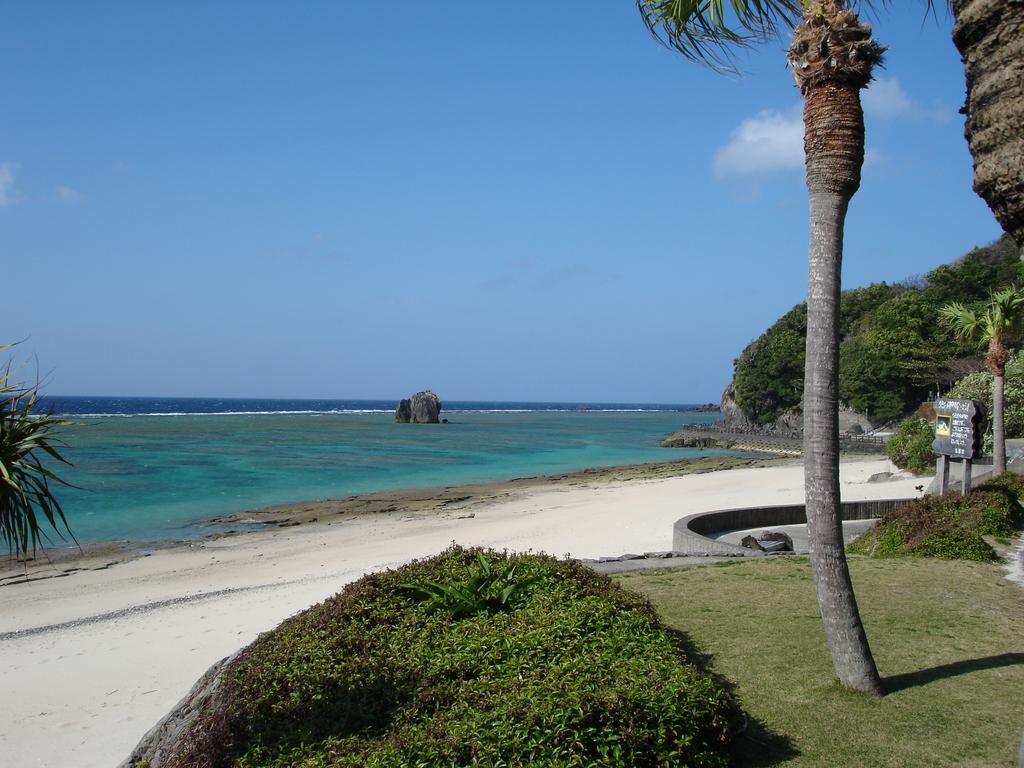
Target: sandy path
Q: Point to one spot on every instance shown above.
(100, 656)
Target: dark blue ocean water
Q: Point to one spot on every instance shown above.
(155, 468)
(185, 406)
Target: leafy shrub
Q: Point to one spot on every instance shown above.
(978, 386)
(949, 527)
(911, 446)
(489, 588)
(579, 673)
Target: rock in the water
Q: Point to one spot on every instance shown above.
(881, 477)
(403, 413)
(426, 408)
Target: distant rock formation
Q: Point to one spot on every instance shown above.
(732, 415)
(790, 422)
(403, 414)
(421, 408)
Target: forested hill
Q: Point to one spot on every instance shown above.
(893, 350)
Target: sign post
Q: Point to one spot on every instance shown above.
(942, 472)
(959, 426)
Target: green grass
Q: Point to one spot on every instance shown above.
(948, 637)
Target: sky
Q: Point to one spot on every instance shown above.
(514, 201)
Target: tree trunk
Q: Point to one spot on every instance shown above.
(998, 435)
(834, 148)
(990, 37)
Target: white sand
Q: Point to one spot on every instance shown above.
(83, 694)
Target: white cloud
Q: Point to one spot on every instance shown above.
(8, 194)
(66, 194)
(886, 99)
(771, 141)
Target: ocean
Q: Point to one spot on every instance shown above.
(155, 469)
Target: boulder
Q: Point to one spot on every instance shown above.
(850, 421)
(425, 408)
(751, 543)
(780, 537)
(732, 415)
(403, 413)
(206, 698)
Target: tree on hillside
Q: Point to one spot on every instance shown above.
(832, 56)
(27, 438)
(997, 325)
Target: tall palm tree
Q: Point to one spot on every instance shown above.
(832, 56)
(990, 37)
(998, 325)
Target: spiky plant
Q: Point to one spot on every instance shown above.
(998, 325)
(28, 440)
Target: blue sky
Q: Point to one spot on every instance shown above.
(514, 201)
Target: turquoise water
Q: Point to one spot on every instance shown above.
(146, 478)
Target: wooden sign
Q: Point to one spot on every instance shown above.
(959, 426)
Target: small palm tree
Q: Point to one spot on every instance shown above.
(27, 439)
(999, 324)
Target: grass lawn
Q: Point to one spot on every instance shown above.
(948, 637)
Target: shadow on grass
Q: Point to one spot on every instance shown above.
(943, 671)
(755, 745)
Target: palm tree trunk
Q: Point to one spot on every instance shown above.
(990, 37)
(998, 434)
(834, 148)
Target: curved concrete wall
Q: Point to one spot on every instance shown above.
(689, 533)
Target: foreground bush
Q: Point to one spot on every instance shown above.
(951, 527)
(573, 672)
(911, 446)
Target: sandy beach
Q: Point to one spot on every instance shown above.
(94, 657)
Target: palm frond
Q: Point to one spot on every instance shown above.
(29, 509)
(710, 32)
(963, 322)
(1002, 318)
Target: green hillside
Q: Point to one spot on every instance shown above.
(893, 351)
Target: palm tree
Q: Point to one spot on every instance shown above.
(999, 324)
(832, 56)
(989, 34)
(26, 494)
(990, 37)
